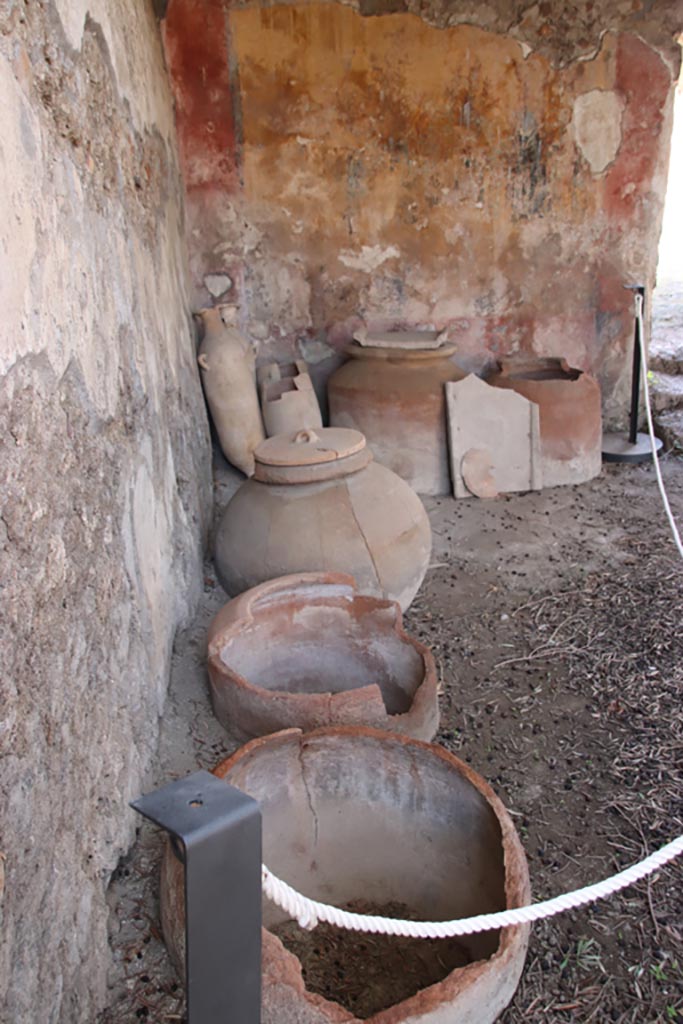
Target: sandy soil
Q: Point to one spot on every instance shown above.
(557, 624)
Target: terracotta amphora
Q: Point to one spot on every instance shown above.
(227, 363)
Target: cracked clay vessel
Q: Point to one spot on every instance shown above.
(357, 814)
(318, 503)
(395, 396)
(570, 414)
(308, 650)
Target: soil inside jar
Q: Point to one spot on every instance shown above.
(366, 973)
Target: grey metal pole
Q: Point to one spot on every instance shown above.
(634, 447)
(217, 833)
(635, 373)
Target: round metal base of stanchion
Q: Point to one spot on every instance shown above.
(618, 448)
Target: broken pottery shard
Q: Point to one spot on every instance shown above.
(477, 472)
(288, 401)
(508, 431)
(400, 339)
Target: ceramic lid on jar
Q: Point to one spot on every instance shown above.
(401, 346)
(406, 340)
(311, 455)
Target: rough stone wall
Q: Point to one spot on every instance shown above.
(499, 168)
(105, 474)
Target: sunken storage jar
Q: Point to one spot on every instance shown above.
(308, 650)
(395, 396)
(380, 824)
(570, 415)
(318, 502)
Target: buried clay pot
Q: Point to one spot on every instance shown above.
(395, 396)
(570, 415)
(379, 823)
(318, 503)
(308, 650)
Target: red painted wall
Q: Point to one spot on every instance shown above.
(341, 167)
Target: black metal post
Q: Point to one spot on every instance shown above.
(638, 289)
(217, 833)
(634, 447)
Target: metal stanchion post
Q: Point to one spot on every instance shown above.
(635, 447)
(216, 832)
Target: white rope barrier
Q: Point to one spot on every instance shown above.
(650, 426)
(310, 913)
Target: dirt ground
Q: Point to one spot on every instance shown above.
(557, 623)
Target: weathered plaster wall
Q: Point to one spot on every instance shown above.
(105, 476)
(499, 168)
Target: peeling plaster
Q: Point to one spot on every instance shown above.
(596, 124)
(141, 81)
(370, 257)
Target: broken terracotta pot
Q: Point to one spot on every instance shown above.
(361, 817)
(228, 375)
(570, 415)
(288, 400)
(318, 502)
(395, 396)
(308, 650)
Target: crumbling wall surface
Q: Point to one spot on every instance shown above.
(499, 168)
(105, 476)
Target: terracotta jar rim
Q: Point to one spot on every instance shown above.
(539, 370)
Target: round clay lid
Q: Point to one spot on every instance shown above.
(310, 447)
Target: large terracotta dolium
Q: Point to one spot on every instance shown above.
(395, 396)
(357, 814)
(308, 650)
(570, 415)
(318, 502)
(227, 363)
